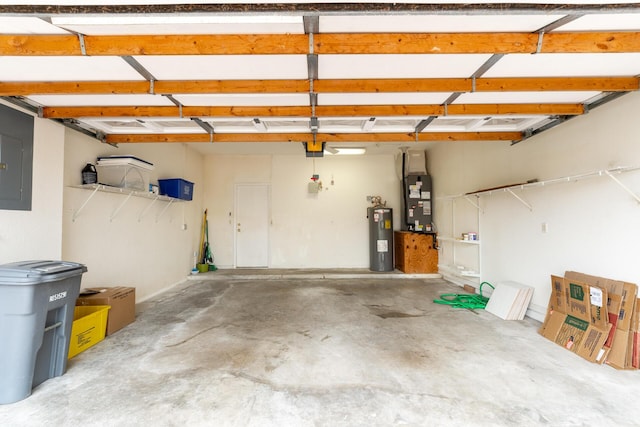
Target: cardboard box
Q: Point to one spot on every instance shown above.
(583, 307)
(557, 298)
(89, 326)
(587, 302)
(628, 293)
(635, 330)
(621, 303)
(577, 318)
(576, 335)
(122, 301)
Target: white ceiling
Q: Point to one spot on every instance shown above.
(287, 68)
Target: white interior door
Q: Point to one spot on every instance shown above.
(252, 225)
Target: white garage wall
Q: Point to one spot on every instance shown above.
(150, 253)
(326, 230)
(37, 234)
(593, 225)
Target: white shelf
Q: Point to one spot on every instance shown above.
(94, 188)
(125, 191)
(455, 272)
(461, 259)
(570, 178)
(452, 239)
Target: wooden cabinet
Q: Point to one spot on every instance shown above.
(415, 252)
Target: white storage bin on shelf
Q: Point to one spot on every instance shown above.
(124, 172)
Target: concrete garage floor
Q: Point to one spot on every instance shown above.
(364, 351)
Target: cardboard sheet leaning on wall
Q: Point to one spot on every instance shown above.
(592, 317)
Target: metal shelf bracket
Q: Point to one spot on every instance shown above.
(115, 213)
(122, 191)
(164, 210)
(77, 212)
(142, 214)
(474, 204)
(520, 199)
(623, 186)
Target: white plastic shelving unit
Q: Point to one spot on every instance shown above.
(95, 188)
(467, 270)
(460, 258)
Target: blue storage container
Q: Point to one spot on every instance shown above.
(177, 188)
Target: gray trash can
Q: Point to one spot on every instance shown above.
(37, 300)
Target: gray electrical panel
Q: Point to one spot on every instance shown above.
(16, 159)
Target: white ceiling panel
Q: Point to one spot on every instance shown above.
(142, 125)
(603, 22)
(213, 67)
(382, 98)
(434, 23)
(524, 97)
(26, 25)
(566, 64)
(398, 66)
(181, 24)
(485, 124)
(65, 68)
(95, 30)
(100, 100)
(262, 99)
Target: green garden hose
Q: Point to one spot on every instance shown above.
(467, 301)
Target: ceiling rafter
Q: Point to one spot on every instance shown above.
(307, 137)
(323, 43)
(163, 87)
(440, 43)
(305, 111)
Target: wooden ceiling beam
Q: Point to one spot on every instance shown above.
(231, 86)
(536, 84)
(205, 44)
(170, 87)
(438, 43)
(323, 43)
(170, 111)
(121, 45)
(422, 43)
(591, 42)
(506, 109)
(306, 137)
(63, 112)
(392, 85)
(74, 88)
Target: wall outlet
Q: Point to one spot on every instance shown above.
(184, 226)
(544, 228)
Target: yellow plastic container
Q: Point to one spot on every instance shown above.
(89, 327)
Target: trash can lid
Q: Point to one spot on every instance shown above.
(28, 272)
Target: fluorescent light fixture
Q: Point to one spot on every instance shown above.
(172, 19)
(345, 151)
